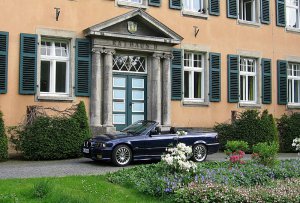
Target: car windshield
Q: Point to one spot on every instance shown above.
(138, 127)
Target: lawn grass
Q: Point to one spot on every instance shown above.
(70, 189)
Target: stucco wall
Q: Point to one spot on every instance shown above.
(217, 33)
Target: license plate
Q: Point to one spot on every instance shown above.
(86, 150)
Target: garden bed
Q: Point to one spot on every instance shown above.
(216, 182)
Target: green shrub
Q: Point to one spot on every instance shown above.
(48, 138)
(235, 146)
(41, 189)
(3, 140)
(289, 129)
(250, 126)
(265, 153)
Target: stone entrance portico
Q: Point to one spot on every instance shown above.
(152, 39)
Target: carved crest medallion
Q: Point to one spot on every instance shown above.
(132, 27)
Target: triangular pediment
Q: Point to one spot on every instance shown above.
(145, 27)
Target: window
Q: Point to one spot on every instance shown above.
(132, 1)
(194, 76)
(194, 6)
(248, 75)
(294, 83)
(54, 73)
(247, 10)
(124, 63)
(292, 12)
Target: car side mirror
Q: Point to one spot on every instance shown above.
(152, 132)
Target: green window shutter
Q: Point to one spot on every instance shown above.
(215, 77)
(154, 3)
(265, 11)
(282, 82)
(214, 7)
(3, 61)
(175, 4)
(280, 13)
(83, 67)
(233, 78)
(266, 67)
(28, 63)
(176, 68)
(232, 9)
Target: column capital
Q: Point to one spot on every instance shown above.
(97, 50)
(158, 55)
(168, 56)
(109, 51)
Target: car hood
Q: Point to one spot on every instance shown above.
(111, 136)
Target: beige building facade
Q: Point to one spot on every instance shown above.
(187, 63)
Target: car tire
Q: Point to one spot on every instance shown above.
(122, 155)
(199, 153)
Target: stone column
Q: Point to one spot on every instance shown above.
(166, 91)
(107, 90)
(156, 88)
(96, 89)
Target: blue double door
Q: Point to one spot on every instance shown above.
(129, 99)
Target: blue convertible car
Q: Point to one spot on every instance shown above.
(144, 140)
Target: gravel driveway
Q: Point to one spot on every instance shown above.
(81, 166)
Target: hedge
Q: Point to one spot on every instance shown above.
(289, 129)
(48, 138)
(3, 140)
(250, 126)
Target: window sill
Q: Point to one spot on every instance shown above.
(195, 103)
(129, 4)
(293, 106)
(250, 23)
(55, 98)
(194, 14)
(249, 105)
(291, 29)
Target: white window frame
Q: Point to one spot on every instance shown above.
(255, 12)
(190, 12)
(140, 4)
(291, 78)
(191, 71)
(53, 59)
(287, 15)
(246, 74)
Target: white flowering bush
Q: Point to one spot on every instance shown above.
(181, 133)
(296, 144)
(177, 158)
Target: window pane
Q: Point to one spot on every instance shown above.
(61, 68)
(292, 17)
(197, 61)
(251, 88)
(248, 10)
(45, 76)
(186, 84)
(197, 84)
(290, 90)
(297, 91)
(187, 59)
(242, 87)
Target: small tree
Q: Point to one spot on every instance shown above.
(3, 140)
(81, 117)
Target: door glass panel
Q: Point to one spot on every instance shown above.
(137, 95)
(119, 82)
(137, 83)
(137, 118)
(118, 94)
(119, 106)
(138, 107)
(119, 118)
